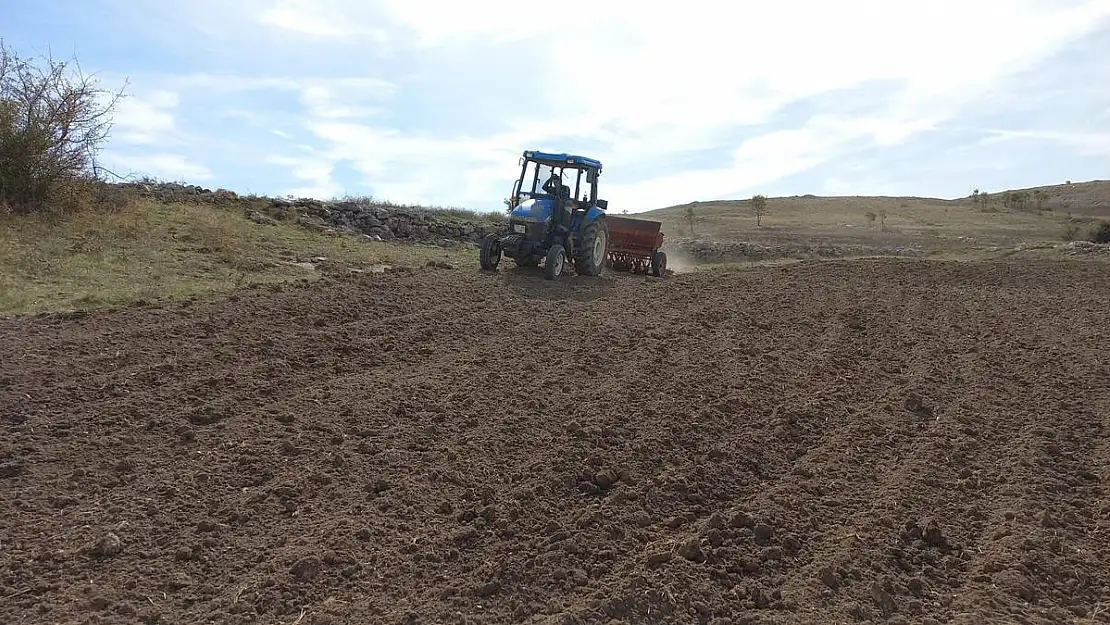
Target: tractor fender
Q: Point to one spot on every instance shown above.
(582, 220)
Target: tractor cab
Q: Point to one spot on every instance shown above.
(555, 216)
(546, 176)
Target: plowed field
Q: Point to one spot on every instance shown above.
(842, 442)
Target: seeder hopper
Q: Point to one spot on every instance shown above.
(634, 246)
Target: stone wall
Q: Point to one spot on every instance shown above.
(375, 221)
(385, 222)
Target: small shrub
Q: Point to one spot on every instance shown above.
(1071, 231)
(1100, 233)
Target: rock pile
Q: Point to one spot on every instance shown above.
(1084, 247)
(175, 192)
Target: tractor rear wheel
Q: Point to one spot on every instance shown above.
(591, 249)
(490, 255)
(556, 259)
(659, 264)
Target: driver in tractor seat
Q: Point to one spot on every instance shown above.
(554, 185)
(563, 201)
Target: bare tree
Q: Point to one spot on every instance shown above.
(759, 207)
(53, 122)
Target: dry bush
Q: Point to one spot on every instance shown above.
(53, 122)
(1100, 233)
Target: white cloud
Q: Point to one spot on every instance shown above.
(649, 84)
(146, 119)
(319, 19)
(312, 168)
(752, 81)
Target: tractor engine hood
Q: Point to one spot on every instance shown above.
(533, 210)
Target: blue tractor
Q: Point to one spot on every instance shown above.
(547, 223)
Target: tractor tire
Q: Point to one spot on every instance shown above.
(555, 261)
(659, 265)
(490, 255)
(591, 249)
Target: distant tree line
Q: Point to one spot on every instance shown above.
(1013, 200)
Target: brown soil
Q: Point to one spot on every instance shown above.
(815, 443)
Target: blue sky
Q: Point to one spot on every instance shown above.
(433, 102)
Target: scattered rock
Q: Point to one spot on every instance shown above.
(107, 546)
(261, 219)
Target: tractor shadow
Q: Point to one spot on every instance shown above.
(529, 282)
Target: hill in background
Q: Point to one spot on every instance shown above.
(1015, 218)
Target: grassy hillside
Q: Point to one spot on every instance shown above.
(930, 223)
(148, 250)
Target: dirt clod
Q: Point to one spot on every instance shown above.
(659, 558)
(741, 519)
(306, 569)
(691, 550)
(11, 468)
(763, 533)
(829, 577)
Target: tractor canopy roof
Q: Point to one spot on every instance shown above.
(562, 160)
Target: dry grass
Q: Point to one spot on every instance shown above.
(929, 224)
(148, 251)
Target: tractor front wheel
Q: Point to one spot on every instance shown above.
(490, 255)
(556, 259)
(659, 264)
(591, 249)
